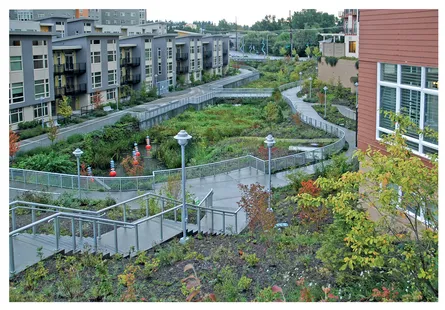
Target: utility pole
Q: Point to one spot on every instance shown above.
(290, 32)
(236, 30)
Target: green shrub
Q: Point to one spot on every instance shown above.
(251, 259)
(311, 100)
(75, 138)
(32, 132)
(52, 162)
(29, 124)
(244, 283)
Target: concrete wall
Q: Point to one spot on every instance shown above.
(333, 49)
(344, 69)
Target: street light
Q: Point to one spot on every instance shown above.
(301, 73)
(325, 89)
(78, 152)
(183, 138)
(156, 82)
(41, 110)
(270, 141)
(356, 112)
(310, 89)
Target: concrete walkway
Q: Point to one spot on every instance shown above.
(345, 111)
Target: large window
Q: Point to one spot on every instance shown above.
(159, 68)
(413, 92)
(111, 55)
(148, 71)
(159, 54)
(148, 54)
(112, 77)
(95, 57)
(41, 89)
(40, 61)
(111, 94)
(96, 79)
(40, 110)
(15, 63)
(169, 67)
(15, 115)
(169, 52)
(16, 93)
(192, 48)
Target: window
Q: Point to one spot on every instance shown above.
(147, 40)
(41, 110)
(133, 22)
(95, 57)
(93, 42)
(96, 79)
(148, 54)
(41, 89)
(15, 63)
(111, 41)
(410, 91)
(159, 68)
(122, 14)
(170, 81)
(111, 94)
(132, 14)
(115, 21)
(159, 54)
(112, 77)
(169, 67)
(107, 13)
(40, 61)
(198, 49)
(148, 71)
(38, 42)
(15, 115)
(115, 13)
(192, 49)
(192, 64)
(170, 52)
(107, 22)
(16, 93)
(111, 55)
(14, 43)
(198, 66)
(352, 46)
(40, 15)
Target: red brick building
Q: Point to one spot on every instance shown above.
(398, 72)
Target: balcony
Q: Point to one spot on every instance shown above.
(70, 68)
(130, 79)
(350, 12)
(71, 90)
(225, 52)
(225, 61)
(182, 70)
(207, 54)
(130, 61)
(182, 56)
(207, 65)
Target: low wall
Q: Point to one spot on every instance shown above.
(343, 70)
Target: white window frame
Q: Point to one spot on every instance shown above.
(159, 54)
(148, 70)
(111, 94)
(169, 67)
(94, 55)
(15, 61)
(93, 82)
(112, 54)
(40, 58)
(148, 55)
(16, 99)
(19, 112)
(38, 110)
(399, 86)
(159, 68)
(45, 93)
(192, 49)
(113, 73)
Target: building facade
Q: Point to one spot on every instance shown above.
(399, 73)
(351, 19)
(31, 83)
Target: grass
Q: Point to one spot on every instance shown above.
(335, 117)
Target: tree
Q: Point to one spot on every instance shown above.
(97, 99)
(254, 201)
(272, 113)
(308, 51)
(131, 167)
(14, 144)
(390, 225)
(53, 131)
(316, 52)
(65, 107)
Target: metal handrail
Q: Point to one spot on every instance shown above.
(48, 206)
(142, 220)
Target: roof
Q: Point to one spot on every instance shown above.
(128, 45)
(80, 19)
(66, 47)
(137, 35)
(87, 35)
(173, 35)
(46, 24)
(50, 17)
(30, 33)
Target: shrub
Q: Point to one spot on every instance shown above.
(251, 259)
(244, 283)
(332, 61)
(75, 138)
(52, 162)
(311, 100)
(28, 125)
(32, 132)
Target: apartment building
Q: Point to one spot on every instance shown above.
(398, 73)
(351, 19)
(213, 54)
(122, 16)
(31, 84)
(164, 61)
(24, 15)
(189, 56)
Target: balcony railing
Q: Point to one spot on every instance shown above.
(182, 56)
(70, 68)
(207, 54)
(182, 70)
(130, 79)
(131, 61)
(71, 90)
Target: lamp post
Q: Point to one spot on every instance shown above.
(78, 152)
(156, 84)
(182, 137)
(41, 110)
(325, 89)
(301, 73)
(270, 141)
(310, 89)
(356, 113)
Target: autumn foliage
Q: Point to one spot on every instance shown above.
(14, 143)
(254, 201)
(130, 168)
(312, 216)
